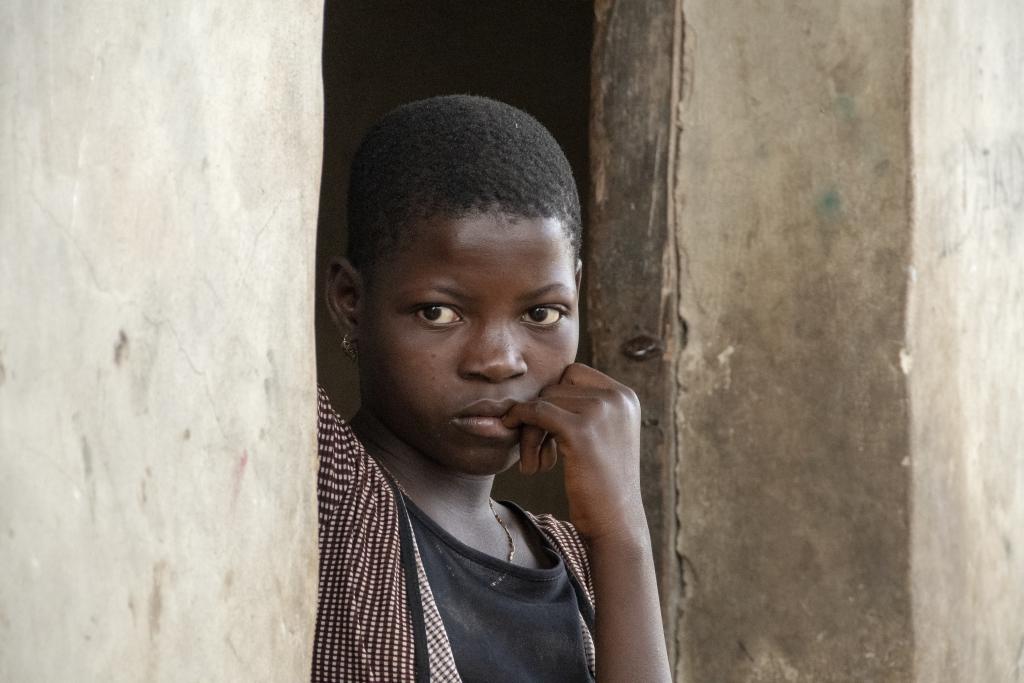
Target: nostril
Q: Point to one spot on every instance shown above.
(495, 363)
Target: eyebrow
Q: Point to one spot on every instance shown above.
(533, 294)
(546, 289)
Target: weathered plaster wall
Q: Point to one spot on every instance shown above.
(792, 214)
(158, 191)
(966, 340)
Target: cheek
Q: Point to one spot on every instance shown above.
(420, 363)
(552, 355)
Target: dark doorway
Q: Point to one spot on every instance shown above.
(533, 54)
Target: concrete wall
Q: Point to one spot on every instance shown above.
(966, 340)
(792, 221)
(849, 216)
(158, 189)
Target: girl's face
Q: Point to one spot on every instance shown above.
(465, 318)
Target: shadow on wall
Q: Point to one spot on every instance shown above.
(534, 54)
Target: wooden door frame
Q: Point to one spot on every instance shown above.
(636, 332)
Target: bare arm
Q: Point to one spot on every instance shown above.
(593, 422)
(630, 639)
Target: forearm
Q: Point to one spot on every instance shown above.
(629, 637)
(595, 422)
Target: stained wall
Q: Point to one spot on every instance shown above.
(791, 217)
(159, 168)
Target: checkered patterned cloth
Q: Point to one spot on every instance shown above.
(366, 628)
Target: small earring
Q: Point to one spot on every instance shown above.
(348, 344)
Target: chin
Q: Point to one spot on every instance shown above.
(488, 462)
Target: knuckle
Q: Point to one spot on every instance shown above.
(532, 409)
(574, 372)
(541, 407)
(629, 397)
(550, 391)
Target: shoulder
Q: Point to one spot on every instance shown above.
(337, 444)
(344, 463)
(329, 423)
(570, 545)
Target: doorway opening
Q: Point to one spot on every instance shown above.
(532, 54)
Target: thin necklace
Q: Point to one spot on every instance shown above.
(508, 534)
(490, 503)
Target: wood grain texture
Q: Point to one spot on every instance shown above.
(630, 254)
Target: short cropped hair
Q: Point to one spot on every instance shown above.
(451, 156)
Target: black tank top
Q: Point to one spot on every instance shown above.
(504, 622)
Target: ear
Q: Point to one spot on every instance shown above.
(579, 274)
(345, 294)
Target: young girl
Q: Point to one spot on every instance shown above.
(459, 302)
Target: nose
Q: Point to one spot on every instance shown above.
(494, 355)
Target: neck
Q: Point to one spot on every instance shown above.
(438, 491)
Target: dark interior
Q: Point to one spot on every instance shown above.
(533, 54)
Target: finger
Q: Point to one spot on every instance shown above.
(556, 392)
(582, 378)
(582, 375)
(543, 414)
(548, 455)
(579, 405)
(530, 443)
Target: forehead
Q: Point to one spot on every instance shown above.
(482, 250)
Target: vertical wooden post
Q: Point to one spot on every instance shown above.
(635, 333)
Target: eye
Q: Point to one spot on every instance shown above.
(436, 314)
(543, 315)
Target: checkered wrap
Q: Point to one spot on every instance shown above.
(364, 623)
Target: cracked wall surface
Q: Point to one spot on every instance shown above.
(159, 168)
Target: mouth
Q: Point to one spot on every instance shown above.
(482, 419)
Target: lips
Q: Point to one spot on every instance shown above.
(482, 419)
(487, 407)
